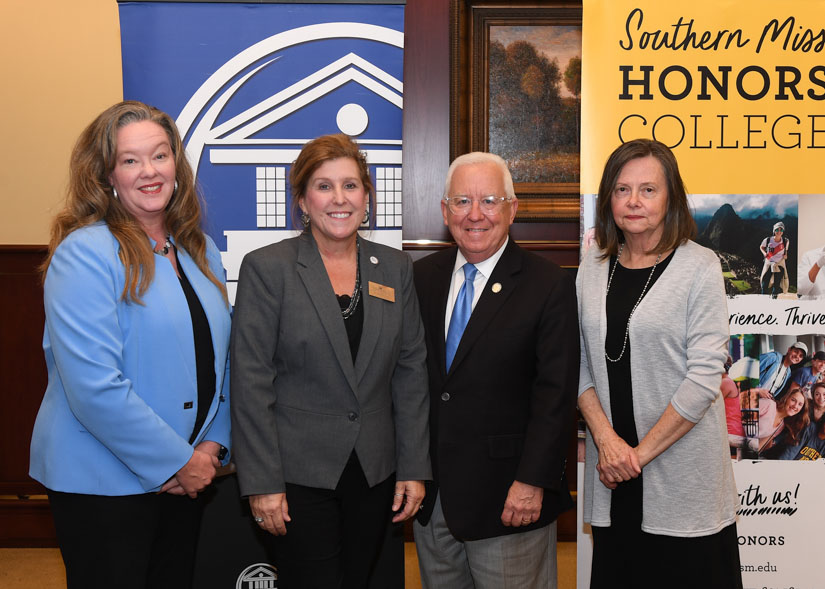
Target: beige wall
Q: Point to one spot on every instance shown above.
(60, 68)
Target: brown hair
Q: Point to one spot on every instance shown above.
(314, 154)
(90, 198)
(795, 423)
(679, 225)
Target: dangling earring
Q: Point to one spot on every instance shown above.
(114, 193)
(176, 187)
(366, 219)
(305, 218)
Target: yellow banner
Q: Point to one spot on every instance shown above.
(735, 88)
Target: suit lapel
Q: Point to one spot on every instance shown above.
(370, 271)
(439, 292)
(316, 281)
(500, 286)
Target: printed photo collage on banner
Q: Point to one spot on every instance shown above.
(774, 389)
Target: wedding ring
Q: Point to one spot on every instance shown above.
(259, 519)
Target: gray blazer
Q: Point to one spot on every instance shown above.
(300, 406)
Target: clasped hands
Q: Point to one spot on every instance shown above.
(197, 473)
(618, 461)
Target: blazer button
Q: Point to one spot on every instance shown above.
(445, 396)
(352, 416)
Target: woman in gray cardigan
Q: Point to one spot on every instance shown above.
(659, 487)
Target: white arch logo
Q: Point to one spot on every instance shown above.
(237, 140)
(239, 129)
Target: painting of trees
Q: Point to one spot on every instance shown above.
(534, 105)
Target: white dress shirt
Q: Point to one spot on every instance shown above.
(485, 269)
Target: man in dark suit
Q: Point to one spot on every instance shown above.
(502, 391)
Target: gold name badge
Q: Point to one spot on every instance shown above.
(382, 292)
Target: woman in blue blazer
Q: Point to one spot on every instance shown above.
(135, 417)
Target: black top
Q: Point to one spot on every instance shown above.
(204, 351)
(625, 288)
(354, 323)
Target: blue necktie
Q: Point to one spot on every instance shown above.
(461, 312)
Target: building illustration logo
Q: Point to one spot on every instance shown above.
(246, 124)
(258, 576)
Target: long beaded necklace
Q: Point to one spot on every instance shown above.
(641, 296)
(356, 293)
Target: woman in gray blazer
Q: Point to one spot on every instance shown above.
(331, 401)
(659, 489)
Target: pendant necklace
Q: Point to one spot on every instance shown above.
(165, 249)
(641, 296)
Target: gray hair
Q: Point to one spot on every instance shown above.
(481, 157)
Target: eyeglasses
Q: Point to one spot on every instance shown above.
(489, 205)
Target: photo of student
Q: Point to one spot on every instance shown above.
(775, 368)
(817, 403)
(811, 445)
(774, 277)
(769, 395)
(751, 234)
(807, 374)
(811, 251)
(733, 408)
(788, 417)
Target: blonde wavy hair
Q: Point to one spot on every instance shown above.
(90, 199)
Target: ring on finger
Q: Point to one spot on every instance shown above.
(259, 519)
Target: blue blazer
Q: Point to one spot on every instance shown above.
(122, 396)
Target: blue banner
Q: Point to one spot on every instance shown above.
(249, 84)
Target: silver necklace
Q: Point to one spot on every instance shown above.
(641, 296)
(165, 249)
(356, 293)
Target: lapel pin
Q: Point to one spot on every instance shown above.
(496, 287)
(374, 260)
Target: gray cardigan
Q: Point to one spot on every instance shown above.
(679, 338)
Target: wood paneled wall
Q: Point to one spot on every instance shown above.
(24, 513)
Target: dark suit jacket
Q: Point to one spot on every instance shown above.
(302, 404)
(505, 409)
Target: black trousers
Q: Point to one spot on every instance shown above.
(335, 535)
(777, 277)
(143, 541)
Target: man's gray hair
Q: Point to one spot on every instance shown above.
(481, 157)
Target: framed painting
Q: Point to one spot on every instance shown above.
(515, 76)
